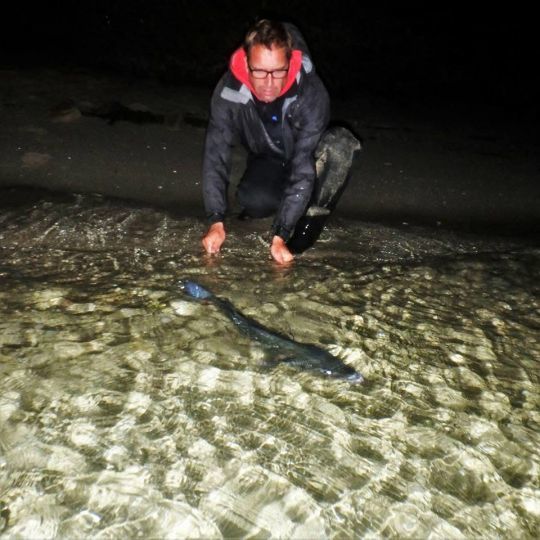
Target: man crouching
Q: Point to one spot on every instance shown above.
(273, 102)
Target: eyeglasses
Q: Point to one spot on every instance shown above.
(263, 73)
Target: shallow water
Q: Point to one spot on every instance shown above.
(128, 410)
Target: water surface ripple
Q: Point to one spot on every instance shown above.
(128, 410)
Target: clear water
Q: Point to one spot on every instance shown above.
(127, 410)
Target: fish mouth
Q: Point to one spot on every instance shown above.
(355, 378)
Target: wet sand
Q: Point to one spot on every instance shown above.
(443, 166)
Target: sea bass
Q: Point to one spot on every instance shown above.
(287, 351)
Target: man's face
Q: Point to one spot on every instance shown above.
(261, 58)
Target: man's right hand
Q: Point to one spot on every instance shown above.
(214, 238)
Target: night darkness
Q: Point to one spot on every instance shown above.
(477, 63)
(471, 55)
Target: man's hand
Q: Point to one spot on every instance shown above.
(214, 238)
(280, 252)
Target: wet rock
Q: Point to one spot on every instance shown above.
(467, 476)
(35, 515)
(179, 520)
(495, 405)
(184, 308)
(83, 434)
(82, 525)
(405, 522)
(137, 403)
(48, 298)
(66, 461)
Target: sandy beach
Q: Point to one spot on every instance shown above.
(457, 166)
(129, 409)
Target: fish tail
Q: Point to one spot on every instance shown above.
(193, 289)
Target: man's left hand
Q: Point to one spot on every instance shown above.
(280, 252)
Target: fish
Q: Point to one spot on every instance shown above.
(285, 350)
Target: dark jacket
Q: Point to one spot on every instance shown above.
(234, 117)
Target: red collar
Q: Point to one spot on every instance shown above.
(239, 69)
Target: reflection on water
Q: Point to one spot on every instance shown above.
(126, 409)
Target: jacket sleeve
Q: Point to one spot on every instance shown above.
(309, 123)
(217, 157)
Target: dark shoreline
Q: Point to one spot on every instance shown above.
(449, 168)
(528, 232)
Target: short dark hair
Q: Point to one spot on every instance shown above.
(270, 34)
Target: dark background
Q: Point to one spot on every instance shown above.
(445, 53)
(445, 100)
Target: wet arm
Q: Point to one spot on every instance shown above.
(216, 173)
(309, 123)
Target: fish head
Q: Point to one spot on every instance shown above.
(343, 372)
(193, 289)
(333, 367)
(354, 378)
